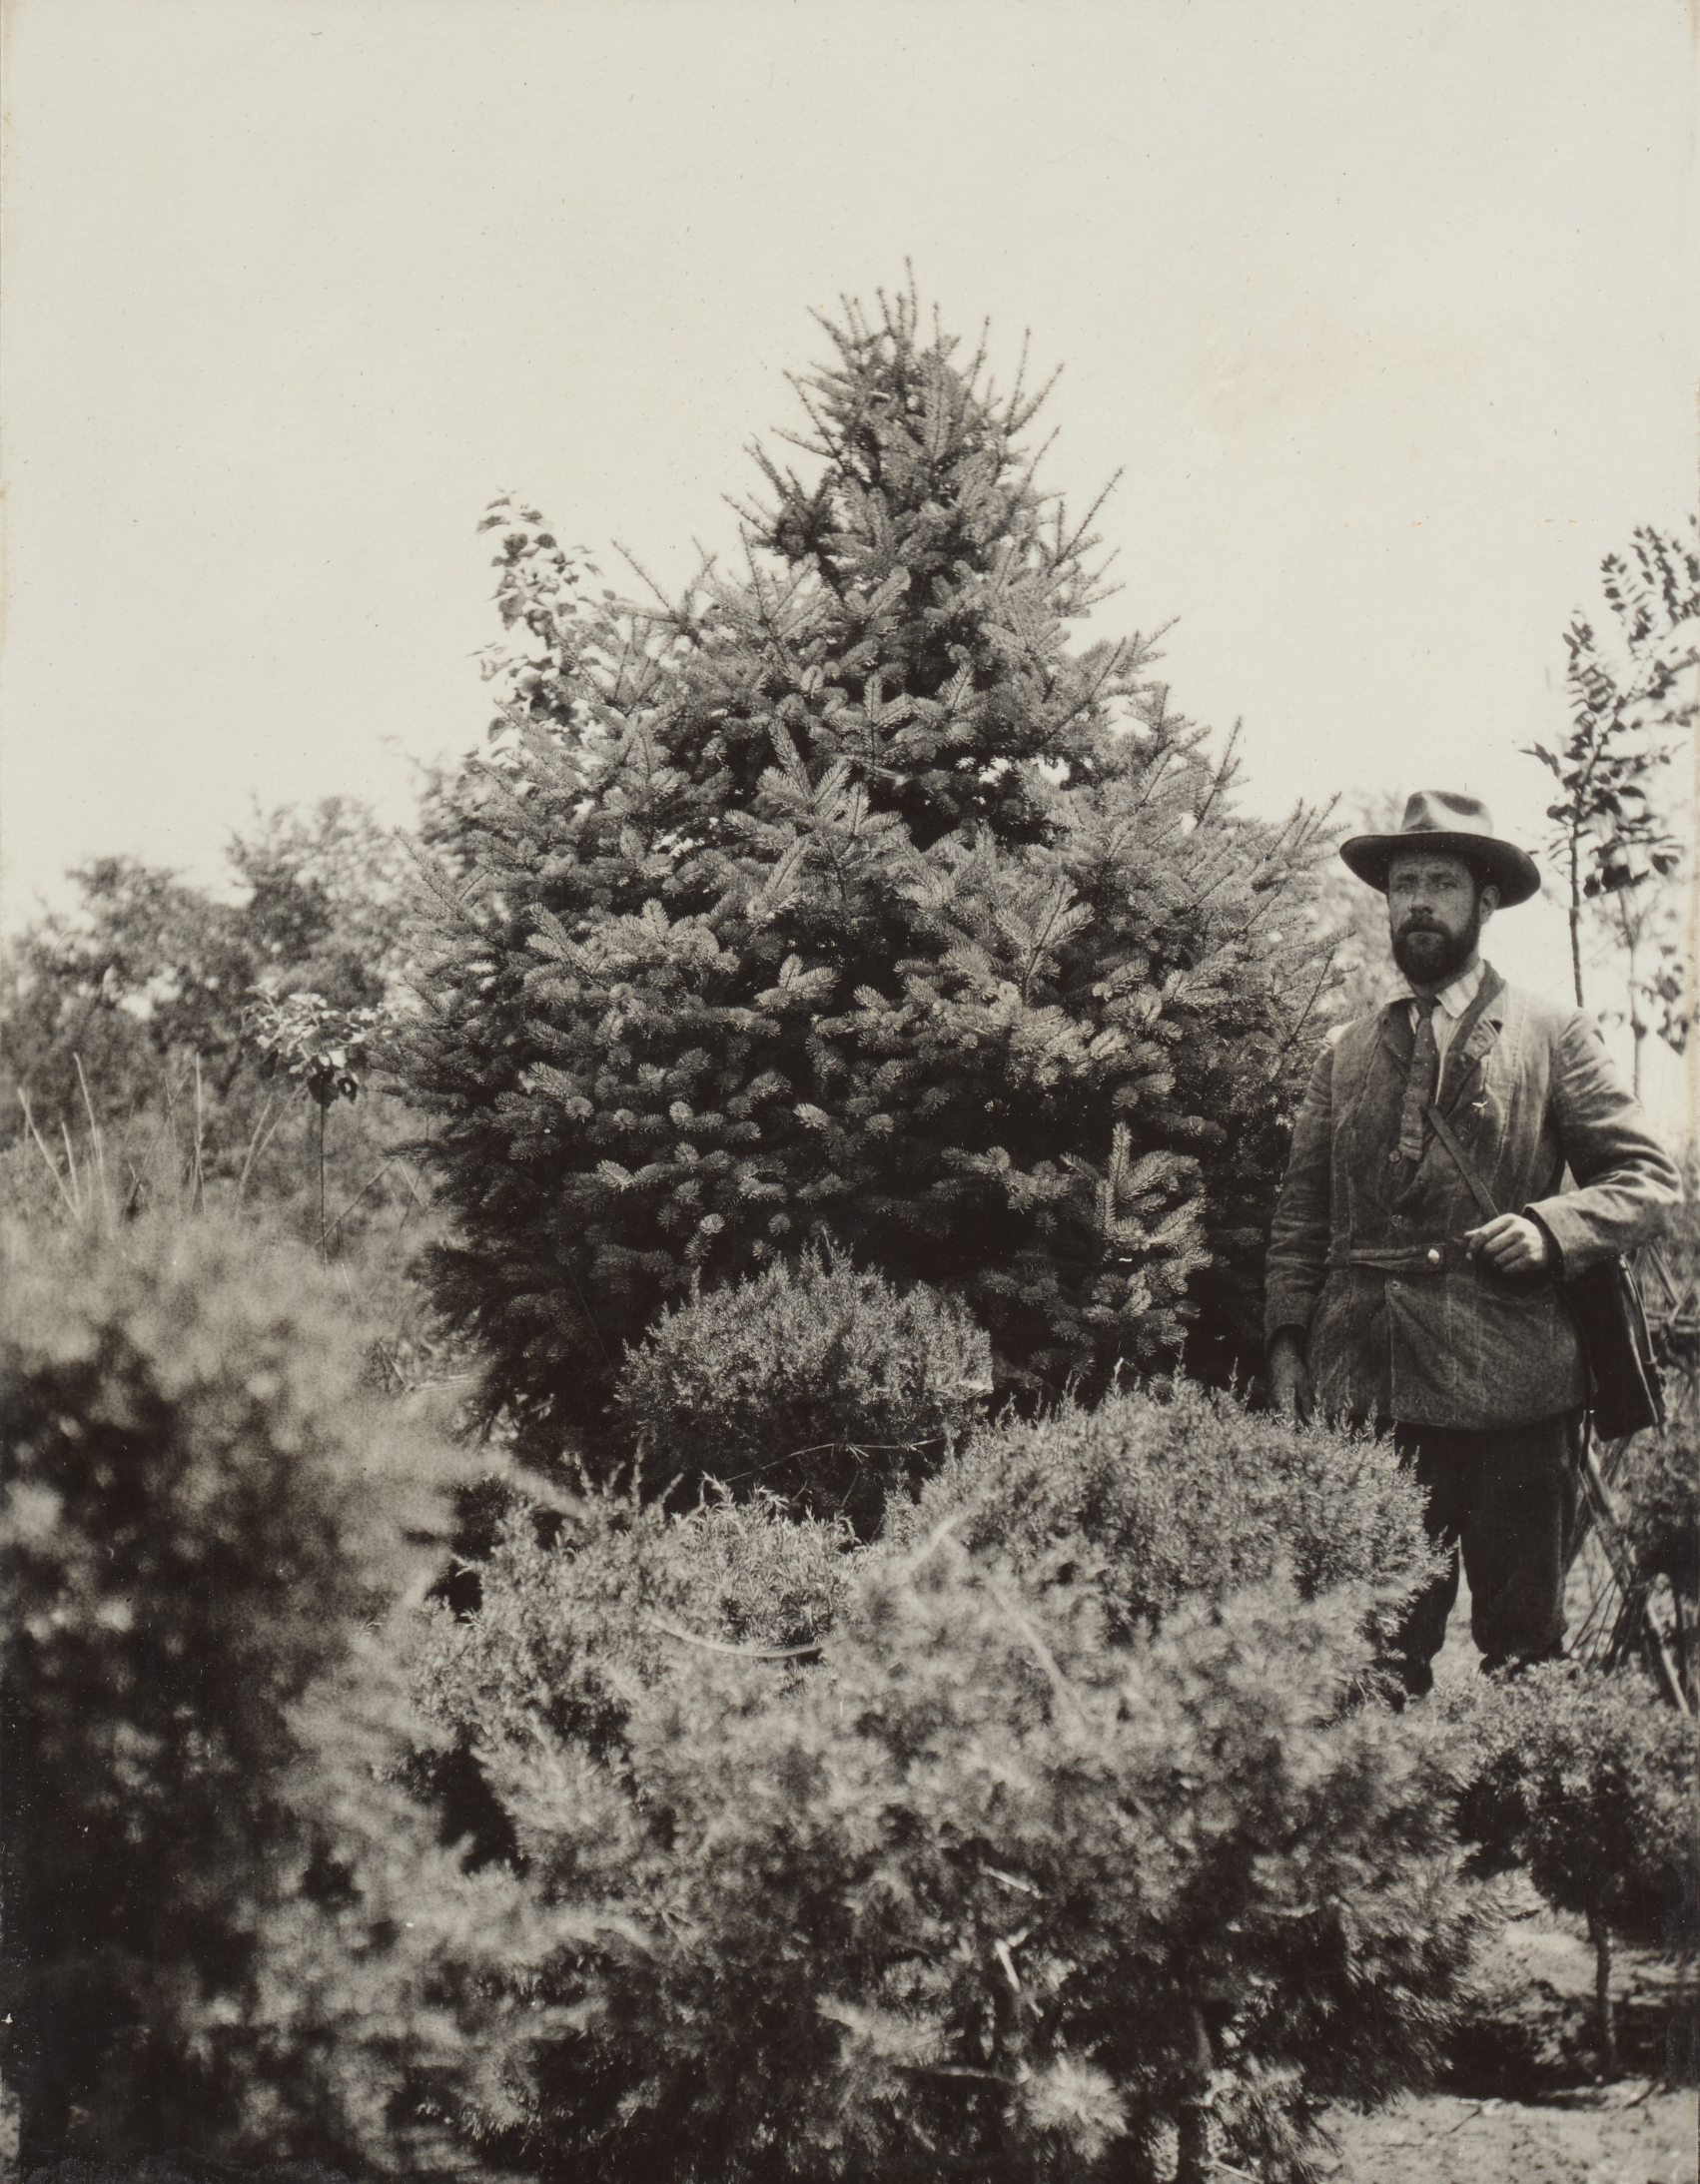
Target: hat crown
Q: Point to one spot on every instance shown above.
(1438, 811)
(1461, 825)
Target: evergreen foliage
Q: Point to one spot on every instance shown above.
(1189, 1497)
(223, 1927)
(848, 897)
(574, 1612)
(1588, 1780)
(964, 1886)
(812, 1381)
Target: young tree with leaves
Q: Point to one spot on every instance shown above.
(848, 897)
(148, 968)
(131, 1015)
(307, 1045)
(1588, 1782)
(1616, 839)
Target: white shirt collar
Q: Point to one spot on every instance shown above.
(1454, 999)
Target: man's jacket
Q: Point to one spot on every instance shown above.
(1365, 1251)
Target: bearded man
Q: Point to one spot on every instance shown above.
(1390, 1303)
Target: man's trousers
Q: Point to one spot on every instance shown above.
(1508, 1497)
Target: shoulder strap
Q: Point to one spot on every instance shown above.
(1449, 1138)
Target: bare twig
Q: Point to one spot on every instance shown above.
(957, 2070)
(938, 1535)
(94, 1129)
(376, 1176)
(411, 1200)
(824, 1448)
(1623, 1569)
(1010, 1881)
(1041, 1653)
(52, 1164)
(743, 1653)
(254, 1145)
(324, 1240)
(71, 1163)
(200, 1140)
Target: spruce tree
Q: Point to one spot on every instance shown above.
(847, 895)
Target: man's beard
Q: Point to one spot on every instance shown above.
(1429, 957)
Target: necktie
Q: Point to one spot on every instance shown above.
(1421, 1083)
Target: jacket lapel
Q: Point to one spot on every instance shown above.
(1397, 1035)
(1483, 1024)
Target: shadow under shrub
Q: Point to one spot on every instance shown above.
(1185, 1493)
(812, 1381)
(226, 1928)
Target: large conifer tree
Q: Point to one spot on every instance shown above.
(850, 896)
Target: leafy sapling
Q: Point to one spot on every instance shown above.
(1588, 1780)
(319, 1049)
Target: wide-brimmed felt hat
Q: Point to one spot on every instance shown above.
(1435, 819)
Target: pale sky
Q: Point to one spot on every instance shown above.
(1389, 314)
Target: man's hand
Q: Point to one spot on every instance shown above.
(1289, 1378)
(1511, 1244)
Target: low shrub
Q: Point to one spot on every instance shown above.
(1589, 1780)
(579, 1614)
(1167, 1497)
(225, 1928)
(974, 1889)
(811, 1381)
(1659, 1481)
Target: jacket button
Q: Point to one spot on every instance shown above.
(1433, 1258)
(1393, 1286)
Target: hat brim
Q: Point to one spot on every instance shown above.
(1511, 870)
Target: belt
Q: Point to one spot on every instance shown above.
(1445, 1254)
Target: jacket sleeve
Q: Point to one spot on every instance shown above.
(1299, 1235)
(1626, 1181)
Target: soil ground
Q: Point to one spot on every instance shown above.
(1618, 2134)
(1520, 2108)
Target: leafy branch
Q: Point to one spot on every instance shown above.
(1632, 701)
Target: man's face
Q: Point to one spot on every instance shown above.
(1435, 913)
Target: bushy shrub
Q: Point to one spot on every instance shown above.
(576, 1616)
(223, 1927)
(977, 1890)
(1589, 1780)
(819, 1383)
(1659, 1481)
(1175, 1495)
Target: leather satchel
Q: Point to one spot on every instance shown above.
(1624, 1394)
